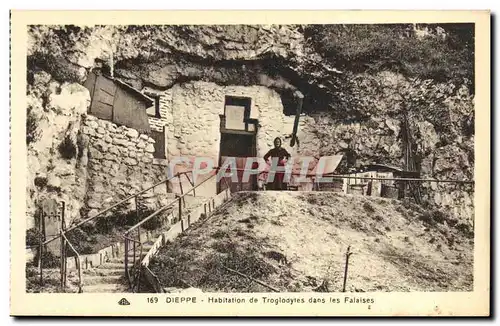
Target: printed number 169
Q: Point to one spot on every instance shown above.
(153, 300)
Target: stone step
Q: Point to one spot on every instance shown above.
(104, 271)
(109, 279)
(105, 288)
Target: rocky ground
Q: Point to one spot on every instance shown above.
(295, 241)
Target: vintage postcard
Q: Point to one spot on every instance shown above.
(245, 163)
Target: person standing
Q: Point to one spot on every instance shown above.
(281, 155)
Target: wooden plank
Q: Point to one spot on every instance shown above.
(90, 83)
(106, 85)
(101, 110)
(104, 97)
(130, 112)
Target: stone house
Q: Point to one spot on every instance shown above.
(204, 119)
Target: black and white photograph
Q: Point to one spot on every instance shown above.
(193, 159)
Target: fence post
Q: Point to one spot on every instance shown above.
(62, 260)
(133, 250)
(40, 246)
(180, 208)
(180, 186)
(136, 199)
(126, 258)
(347, 255)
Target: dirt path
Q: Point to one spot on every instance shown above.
(296, 241)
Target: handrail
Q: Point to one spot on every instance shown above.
(114, 206)
(167, 206)
(339, 176)
(77, 261)
(261, 172)
(137, 226)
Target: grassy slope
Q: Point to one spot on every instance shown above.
(397, 246)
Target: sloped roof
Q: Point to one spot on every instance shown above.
(143, 97)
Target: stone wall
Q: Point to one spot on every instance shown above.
(120, 163)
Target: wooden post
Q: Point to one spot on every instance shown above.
(192, 184)
(139, 235)
(126, 258)
(180, 208)
(133, 252)
(136, 209)
(62, 260)
(63, 246)
(347, 255)
(79, 274)
(40, 246)
(65, 261)
(180, 186)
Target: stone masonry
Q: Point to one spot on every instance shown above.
(120, 163)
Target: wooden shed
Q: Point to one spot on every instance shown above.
(114, 100)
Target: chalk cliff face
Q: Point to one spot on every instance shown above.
(357, 112)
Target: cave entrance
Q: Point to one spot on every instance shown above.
(238, 140)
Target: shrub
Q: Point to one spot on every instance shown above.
(154, 223)
(40, 182)
(396, 47)
(433, 216)
(49, 260)
(67, 149)
(219, 234)
(32, 131)
(81, 241)
(32, 237)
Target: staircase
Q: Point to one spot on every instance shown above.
(110, 276)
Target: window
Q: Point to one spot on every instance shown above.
(154, 110)
(159, 137)
(236, 112)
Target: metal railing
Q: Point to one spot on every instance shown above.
(64, 232)
(315, 178)
(64, 260)
(132, 237)
(121, 202)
